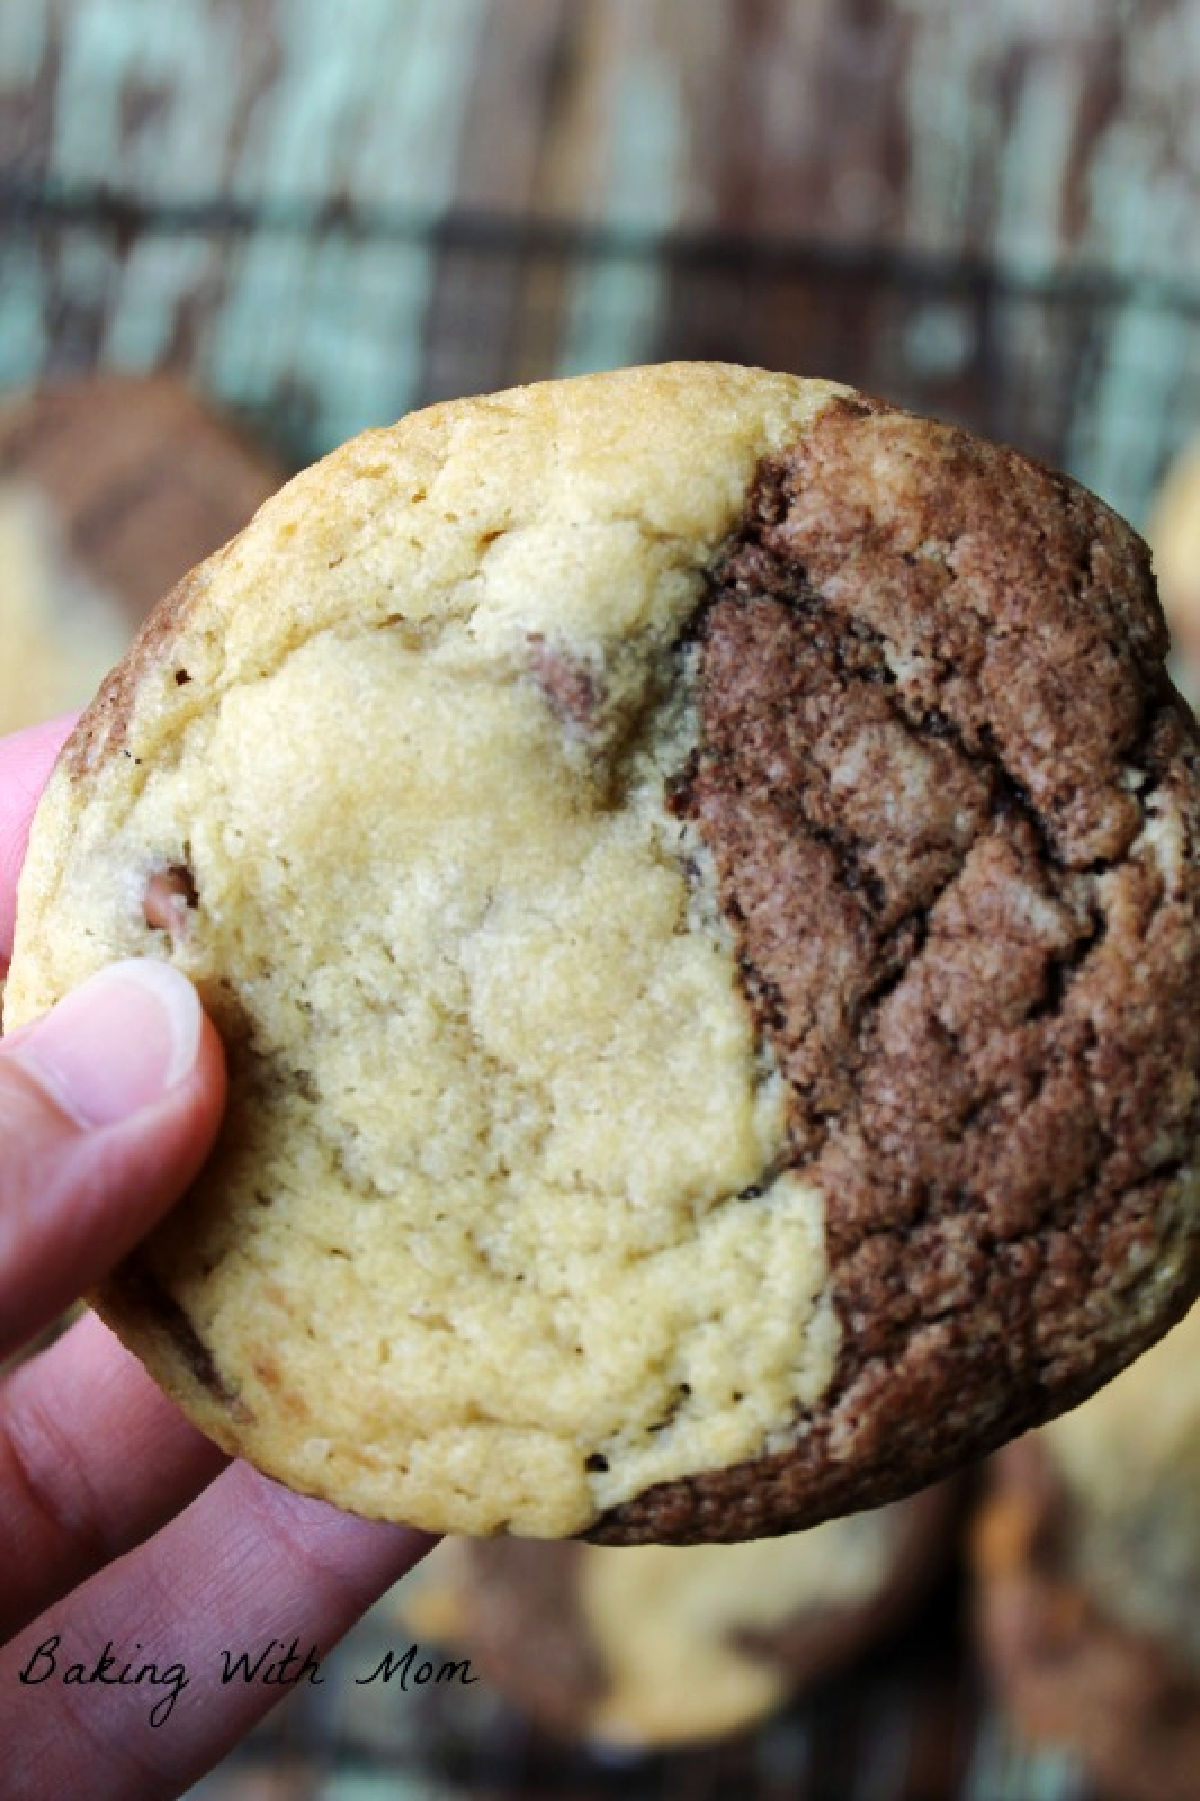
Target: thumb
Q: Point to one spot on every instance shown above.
(108, 1106)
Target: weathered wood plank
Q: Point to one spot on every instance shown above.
(1055, 133)
(1040, 142)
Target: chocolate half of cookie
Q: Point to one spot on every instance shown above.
(952, 803)
(696, 874)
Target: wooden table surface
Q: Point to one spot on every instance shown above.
(326, 214)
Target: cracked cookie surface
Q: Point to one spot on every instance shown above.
(696, 876)
(953, 803)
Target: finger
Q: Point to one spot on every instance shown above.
(93, 1460)
(26, 759)
(108, 1107)
(246, 1564)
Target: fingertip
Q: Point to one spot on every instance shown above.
(209, 1084)
(109, 1106)
(169, 1141)
(118, 1045)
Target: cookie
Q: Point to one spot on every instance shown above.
(696, 875)
(649, 1646)
(1087, 1555)
(1174, 536)
(110, 489)
(60, 632)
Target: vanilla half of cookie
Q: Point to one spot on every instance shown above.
(696, 875)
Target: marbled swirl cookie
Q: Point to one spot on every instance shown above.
(111, 487)
(1174, 536)
(1088, 1558)
(696, 873)
(648, 1646)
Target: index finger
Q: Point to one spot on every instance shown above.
(26, 759)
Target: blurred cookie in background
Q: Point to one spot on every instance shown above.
(1087, 1553)
(652, 1646)
(110, 490)
(1173, 534)
(60, 631)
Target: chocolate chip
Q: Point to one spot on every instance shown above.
(170, 895)
(572, 691)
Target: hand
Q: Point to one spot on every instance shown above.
(121, 1525)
